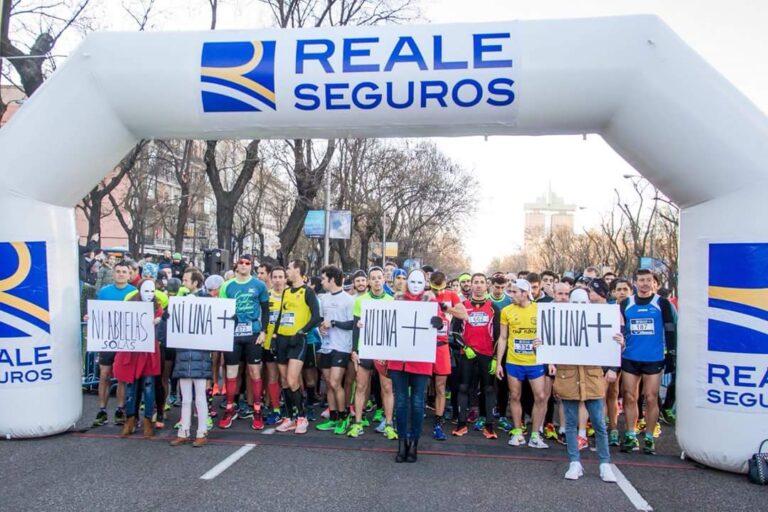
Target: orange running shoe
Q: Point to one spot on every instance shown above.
(489, 434)
(460, 431)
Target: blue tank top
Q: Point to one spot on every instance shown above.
(644, 331)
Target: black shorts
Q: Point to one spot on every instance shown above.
(310, 356)
(367, 364)
(268, 356)
(642, 367)
(290, 347)
(107, 358)
(333, 359)
(246, 350)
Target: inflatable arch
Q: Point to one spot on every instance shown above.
(629, 79)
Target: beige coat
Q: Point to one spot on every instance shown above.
(579, 382)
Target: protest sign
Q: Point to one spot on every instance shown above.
(396, 330)
(579, 334)
(202, 323)
(120, 326)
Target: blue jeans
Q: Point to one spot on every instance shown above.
(406, 402)
(132, 392)
(595, 410)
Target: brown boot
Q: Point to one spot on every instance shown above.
(200, 441)
(129, 426)
(180, 441)
(149, 428)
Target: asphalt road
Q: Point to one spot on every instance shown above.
(95, 470)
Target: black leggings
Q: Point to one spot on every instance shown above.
(472, 370)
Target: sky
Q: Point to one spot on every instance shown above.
(511, 171)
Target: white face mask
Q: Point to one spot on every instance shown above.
(147, 291)
(417, 281)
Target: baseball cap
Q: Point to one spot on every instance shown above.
(177, 256)
(399, 272)
(525, 285)
(599, 287)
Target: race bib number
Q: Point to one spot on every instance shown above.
(287, 319)
(641, 327)
(478, 318)
(273, 317)
(244, 329)
(523, 346)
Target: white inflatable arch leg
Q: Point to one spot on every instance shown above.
(629, 79)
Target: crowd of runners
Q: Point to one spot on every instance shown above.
(295, 365)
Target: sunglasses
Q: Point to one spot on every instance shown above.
(244, 262)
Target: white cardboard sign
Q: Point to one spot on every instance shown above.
(580, 334)
(398, 330)
(201, 323)
(120, 326)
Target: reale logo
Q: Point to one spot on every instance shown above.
(238, 76)
(23, 289)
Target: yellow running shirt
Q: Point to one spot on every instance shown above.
(295, 313)
(521, 331)
(274, 310)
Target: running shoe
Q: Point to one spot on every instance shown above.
(326, 413)
(438, 433)
(460, 431)
(649, 445)
(101, 419)
(575, 471)
(583, 442)
(356, 430)
(177, 426)
(668, 416)
(119, 417)
(657, 431)
(640, 425)
(613, 438)
(167, 407)
(285, 425)
(561, 438)
(505, 424)
(311, 416)
(550, 432)
(228, 418)
(326, 425)
(365, 422)
(537, 442)
(489, 434)
(341, 427)
(258, 422)
(273, 418)
(448, 413)
(606, 473)
(302, 424)
(525, 428)
(382, 425)
(369, 405)
(390, 433)
(472, 416)
(378, 416)
(630, 443)
(479, 424)
(245, 413)
(590, 430)
(516, 437)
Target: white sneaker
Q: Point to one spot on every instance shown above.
(286, 425)
(301, 426)
(537, 442)
(606, 473)
(575, 470)
(516, 440)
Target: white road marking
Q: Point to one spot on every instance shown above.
(630, 492)
(223, 465)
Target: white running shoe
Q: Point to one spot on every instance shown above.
(537, 442)
(516, 440)
(286, 425)
(606, 473)
(301, 426)
(575, 470)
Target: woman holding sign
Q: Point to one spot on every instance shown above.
(138, 369)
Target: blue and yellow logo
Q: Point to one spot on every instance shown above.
(238, 76)
(738, 298)
(23, 289)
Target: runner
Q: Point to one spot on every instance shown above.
(212, 285)
(450, 306)
(399, 277)
(363, 367)
(278, 279)
(517, 331)
(336, 309)
(299, 314)
(650, 326)
(621, 289)
(481, 329)
(118, 290)
(465, 286)
(251, 307)
(263, 272)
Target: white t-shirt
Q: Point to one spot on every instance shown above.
(338, 307)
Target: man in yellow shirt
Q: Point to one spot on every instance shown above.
(517, 332)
